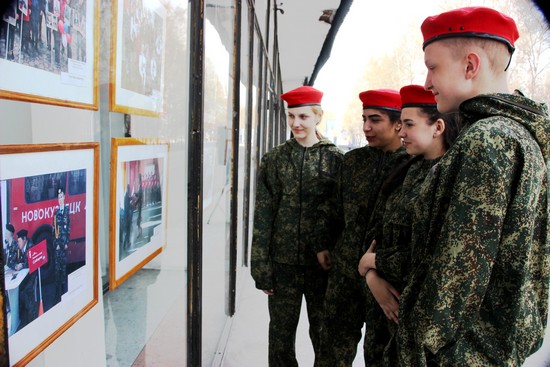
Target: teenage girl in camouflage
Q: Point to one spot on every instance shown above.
(292, 237)
(426, 134)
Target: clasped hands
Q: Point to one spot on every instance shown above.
(384, 293)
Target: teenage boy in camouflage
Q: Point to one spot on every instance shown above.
(478, 291)
(363, 171)
(292, 237)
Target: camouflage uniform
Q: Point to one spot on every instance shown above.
(362, 174)
(390, 225)
(478, 290)
(289, 231)
(61, 235)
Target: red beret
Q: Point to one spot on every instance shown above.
(303, 96)
(470, 22)
(385, 99)
(416, 96)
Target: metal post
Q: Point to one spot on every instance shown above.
(194, 177)
(234, 210)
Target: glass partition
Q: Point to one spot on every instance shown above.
(217, 165)
(145, 317)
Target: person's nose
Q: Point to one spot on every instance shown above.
(367, 126)
(428, 83)
(402, 132)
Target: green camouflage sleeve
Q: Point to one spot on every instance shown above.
(261, 265)
(330, 217)
(461, 265)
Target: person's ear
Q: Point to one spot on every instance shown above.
(398, 126)
(439, 128)
(473, 63)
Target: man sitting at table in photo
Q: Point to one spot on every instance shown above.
(28, 301)
(18, 256)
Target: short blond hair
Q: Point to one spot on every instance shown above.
(497, 52)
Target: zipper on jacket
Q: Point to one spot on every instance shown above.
(300, 201)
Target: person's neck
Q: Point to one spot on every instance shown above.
(434, 153)
(308, 141)
(494, 84)
(392, 147)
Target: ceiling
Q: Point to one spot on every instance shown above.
(301, 37)
(304, 40)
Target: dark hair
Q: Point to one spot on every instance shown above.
(452, 123)
(452, 129)
(394, 115)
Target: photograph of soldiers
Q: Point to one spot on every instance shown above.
(51, 208)
(142, 48)
(141, 206)
(61, 235)
(41, 34)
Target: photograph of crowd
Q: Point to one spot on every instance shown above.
(44, 34)
(43, 237)
(141, 206)
(142, 48)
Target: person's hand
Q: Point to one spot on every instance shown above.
(269, 292)
(368, 260)
(18, 266)
(324, 259)
(385, 294)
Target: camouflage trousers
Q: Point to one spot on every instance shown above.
(378, 333)
(343, 320)
(60, 273)
(291, 284)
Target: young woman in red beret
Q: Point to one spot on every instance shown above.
(426, 134)
(292, 237)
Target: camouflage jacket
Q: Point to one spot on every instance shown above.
(478, 290)
(61, 227)
(391, 221)
(363, 172)
(289, 226)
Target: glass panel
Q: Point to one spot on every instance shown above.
(218, 40)
(145, 317)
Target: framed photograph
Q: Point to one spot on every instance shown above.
(137, 57)
(63, 68)
(138, 205)
(49, 210)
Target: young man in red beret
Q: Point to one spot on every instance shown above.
(478, 292)
(363, 172)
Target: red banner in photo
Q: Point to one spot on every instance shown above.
(38, 256)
